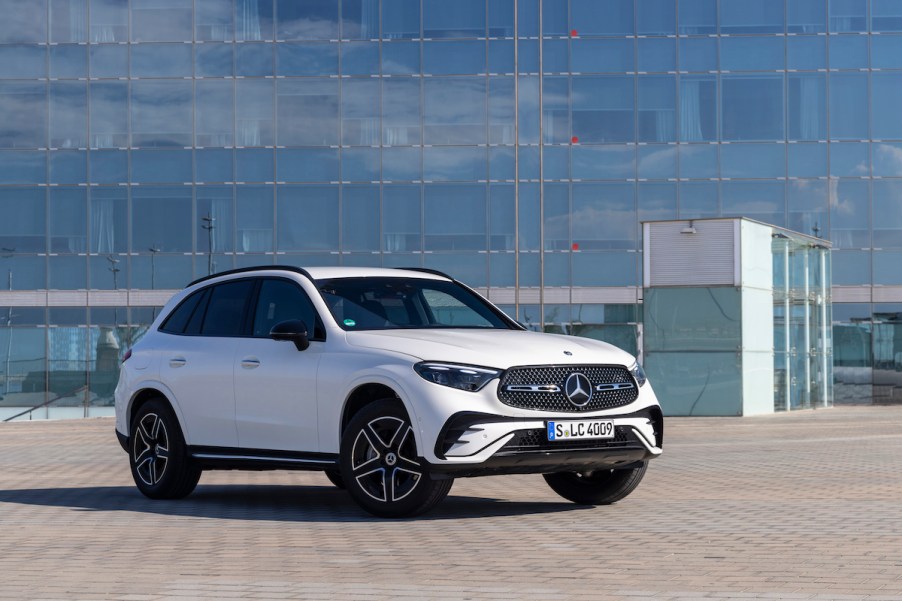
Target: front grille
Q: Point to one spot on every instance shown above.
(525, 441)
(542, 388)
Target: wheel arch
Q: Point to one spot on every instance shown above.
(364, 394)
(144, 394)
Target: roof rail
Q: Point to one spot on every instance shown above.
(290, 268)
(427, 270)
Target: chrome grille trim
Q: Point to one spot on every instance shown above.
(541, 387)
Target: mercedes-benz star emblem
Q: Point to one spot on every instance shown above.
(578, 389)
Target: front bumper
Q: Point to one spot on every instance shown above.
(473, 444)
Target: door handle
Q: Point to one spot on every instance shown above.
(177, 362)
(250, 363)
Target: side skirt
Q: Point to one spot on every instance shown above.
(228, 458)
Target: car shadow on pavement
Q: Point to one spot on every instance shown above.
(272, 503)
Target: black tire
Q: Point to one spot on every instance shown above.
(335, 478)
(601, 487)
(381, 467)
(157, 453)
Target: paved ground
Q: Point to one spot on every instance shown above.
(802, 506)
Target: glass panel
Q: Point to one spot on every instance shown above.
(886, 15)
(455, 217)
(254, 165)
(657, 201)
(400, 19)
(763, 201)
(254, 113)
(109, 220)
(556, 220)
(887, 159)
(24, 107)
(161, 60)
(806, 16)
(656, 54)
(214, 115)
(807, 160)
(502, 271)
(295, 60)
(108, 272)
(603, 162)
(752, 107)
(605, 269)
(849, 214)
(528, 17)
(254, 60)
(556, 56)
(23, 167)
(886, 268)
(848, 106)
(753, 160)
(68, 272)
(698, 54)
(308, 20)
(401, 58)
(281, 300)
(162, 20)
(807, 107)
(213, 60)
(752, 53)
(528, 110)
(161, 166)
(109, 119)
(698, 108)
(254, 20)
(24, 62)
(460, 19)
(308, 217)
(886, 52)
(359, 19)
(109, 21)
(709, 319)
(454, 164)
(887, 196)
(254, 218)
(68, 221)
(161, 113)
(657, 162)
(501, 56)
(808, 206)
(401, 218)
(806, 53)
(23, 22)
(556, 161)
(307, 165)
(698, 199)
(555, 110)
(161, 218)
(848, 15)
(656, 17)
(225, 310)
(401, 112)
(455, 111)
(213, 20)
(848, 51)
(604, 217)
(501, 18)
(454, 58)
(360, 164)
(68, 167)
(469, 268)
(68, 61)
(589, 17)
(851, 268)
(698, 161)
(502, 218)
(602, 56)
(360, 218)
(22, 229)
(603, 109)
(886, 90)
(529, 220)
(109, 60)
(501, 110)
(528, 56)
(360, 112)
(554, 17)
(360, 58)
(657, 109)
(215, 224)
(68, 109)
(23, 352)
(764, 16)
(849, 159)
(402, 164)
(697, 16)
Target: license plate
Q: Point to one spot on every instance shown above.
(580, 429)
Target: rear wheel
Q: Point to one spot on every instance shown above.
(335, 478)
(158, 455)
(380, 465)
(599, 487)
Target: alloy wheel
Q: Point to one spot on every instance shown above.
(150, 450)
(383, 459)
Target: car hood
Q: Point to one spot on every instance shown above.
(491, 348)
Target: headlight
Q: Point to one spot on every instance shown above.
(462, 377)
(638, 373)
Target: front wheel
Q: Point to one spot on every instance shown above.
(157, 454)
(380, 465)
(599, 487)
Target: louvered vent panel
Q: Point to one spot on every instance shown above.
(705, 258)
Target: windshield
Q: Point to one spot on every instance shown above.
(395, 303)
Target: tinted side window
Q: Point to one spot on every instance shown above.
(281, 300)
(226, 309)
(179, 318)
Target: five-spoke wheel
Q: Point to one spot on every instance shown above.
(380, 465)
(159, 460)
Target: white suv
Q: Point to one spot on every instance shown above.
(393, 382)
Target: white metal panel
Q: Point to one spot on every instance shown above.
(67, 298)
(677, 257)
(887, 294)
(756, 261)
(150, 298)
(620, 295)
(852, 294)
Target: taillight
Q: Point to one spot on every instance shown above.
(127, 355)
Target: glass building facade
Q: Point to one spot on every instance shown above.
(516, 144)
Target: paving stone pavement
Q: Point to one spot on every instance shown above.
(800, 506)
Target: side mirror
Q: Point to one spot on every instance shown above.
(293, 330)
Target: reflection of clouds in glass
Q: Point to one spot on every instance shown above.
(887, 159)
(840, 206)
(660, 160)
